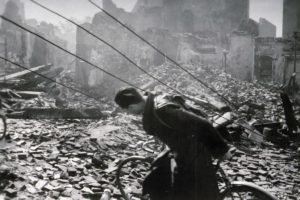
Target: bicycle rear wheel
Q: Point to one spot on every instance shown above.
(246, 191)
(2, 126)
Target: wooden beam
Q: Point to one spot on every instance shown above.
(19, 94)
(57, 113)
(25, 72)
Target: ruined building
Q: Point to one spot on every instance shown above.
(189, 31)
(219, 16)
(12, 39)
(291, 24)
(291, 17)
(23, 47)
(266, 28)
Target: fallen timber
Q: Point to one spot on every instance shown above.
(57, 113)
(20, 94)
(21, 74)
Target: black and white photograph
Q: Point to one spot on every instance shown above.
(150, 99)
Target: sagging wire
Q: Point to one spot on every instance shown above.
(108, 44)
(170, 59)
(111, 46)
(93, 65)
(50, 79)
(75, 55)
(162, 53)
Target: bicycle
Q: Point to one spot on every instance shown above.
(3, 126)
(231, 190)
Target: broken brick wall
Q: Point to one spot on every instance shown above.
(291, 17)
(198, 49)
(241, 56)
(266, 28)
(47, 52)
(221, 16)
(104, 57)
(269, 59)
(25, 48)
(187, 31)
(274, 60)
(289, 68)
(13, 40)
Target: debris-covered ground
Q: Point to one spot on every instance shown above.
(77, 159)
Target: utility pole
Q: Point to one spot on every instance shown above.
(225, 52)
(5, 56)
(295, 60)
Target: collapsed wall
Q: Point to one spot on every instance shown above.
(187, 31)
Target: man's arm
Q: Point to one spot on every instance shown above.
(187, 123)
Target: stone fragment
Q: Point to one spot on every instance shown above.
(31, 189)
(72, 171)
(252, 167)
(32, 179)
(67, 192)
(54, 194)
(49, 198)
(21, 142)
(65, 198)
(11, 192)
(49, 187)
(22, 156)
(87, 190)
(37, 156)
(57, 175)
(39, 169)
(40, 184)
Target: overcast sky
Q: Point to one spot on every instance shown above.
(270, 10)
(79, 9)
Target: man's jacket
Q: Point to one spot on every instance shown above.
(193, 139)
(177, 124)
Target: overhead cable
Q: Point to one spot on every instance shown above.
(108, 44)
(170, 59)
(114, 76)
(163, 54)
(65, 50)
(50, 79)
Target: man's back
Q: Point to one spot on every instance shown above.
(194, 140)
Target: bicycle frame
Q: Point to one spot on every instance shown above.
(228, 183)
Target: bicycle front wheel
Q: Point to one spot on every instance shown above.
(246, 191)
(2, 126)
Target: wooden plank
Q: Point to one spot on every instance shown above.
(20, 94)
(223, 120)
(23, 73)
(213, 104)
(57, 113)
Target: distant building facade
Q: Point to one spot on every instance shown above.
(291, 24)
(221, 16)
(291, 17)
(266, 28)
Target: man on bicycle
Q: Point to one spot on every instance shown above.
(186, 171)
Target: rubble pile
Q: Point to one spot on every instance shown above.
(236, 91)
(67, 160)
(78, 159)
(274, 169)
(252, 102)
(51, 100)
